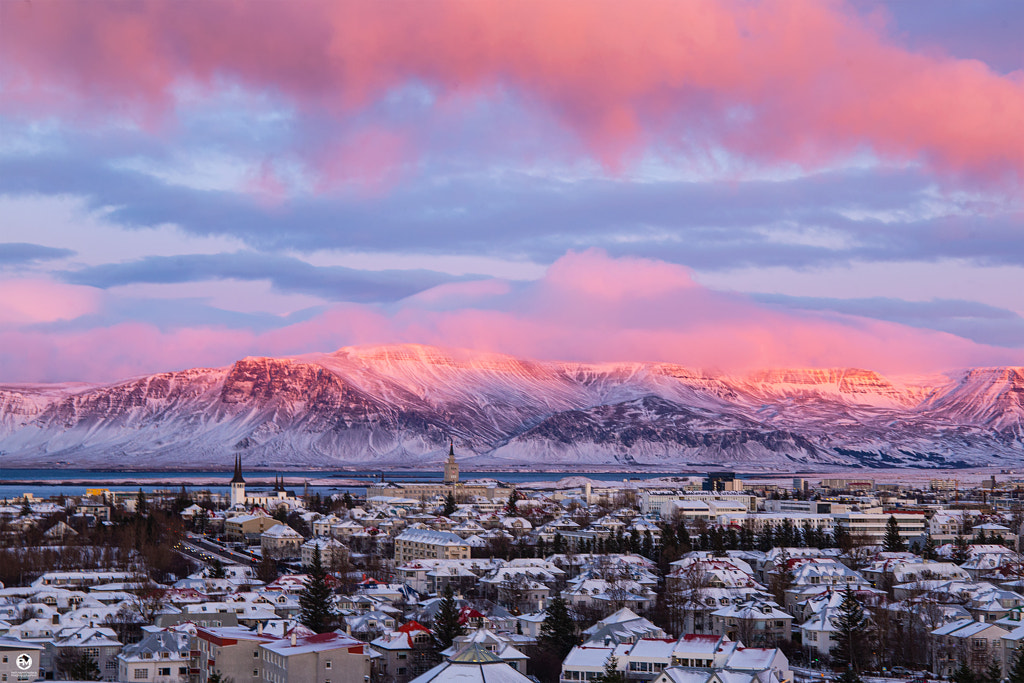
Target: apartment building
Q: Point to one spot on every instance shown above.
(416, 544)
(324, 658)
(869, 528)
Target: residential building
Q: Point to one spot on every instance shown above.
(19, 660)
(324, 658)
(248, 527)
(406, 652)
(280, 541)
(232, 652)
(161, 657)
(415, 544)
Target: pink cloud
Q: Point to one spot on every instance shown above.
(801, 81)
(642, 311)
(29, 301)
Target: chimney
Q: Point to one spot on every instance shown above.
(259, 628)
(293, 637)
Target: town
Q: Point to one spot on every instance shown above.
(714, 580)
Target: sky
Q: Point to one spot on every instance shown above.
(723, 185)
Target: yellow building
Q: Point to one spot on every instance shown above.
(417, 544)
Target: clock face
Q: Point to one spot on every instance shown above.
(23, 661)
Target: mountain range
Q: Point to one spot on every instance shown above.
(398, 406)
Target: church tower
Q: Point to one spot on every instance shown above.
(451, 468)
(238, 484)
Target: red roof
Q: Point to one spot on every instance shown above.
(467, 613)
(412, 627)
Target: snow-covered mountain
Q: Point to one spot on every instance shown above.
(398, 405)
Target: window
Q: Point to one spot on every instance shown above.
(327, 664)
(140, 674)
(164, 671)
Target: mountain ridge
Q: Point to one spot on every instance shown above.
(398, 405)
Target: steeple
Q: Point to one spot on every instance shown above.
(237, 479)
(451, 468)
(238, 484)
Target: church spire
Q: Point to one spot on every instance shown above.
(237, 479)
(451, 468)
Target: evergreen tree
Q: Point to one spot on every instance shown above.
(1016, 672)
(994, 672)
(558, 544)
(446, 621)
(648, 545)
(316, 609)
(717, 542)
(216, 569)
(960, 554)
(215, 677)
(732, 539)
(347, 501)
(26, 508)
(852, 632)
(849, 676)
(611, 673)
(183, 500)
(809, 537)
(450, 506)
(558, 632)
(202, 520)
(79, 667)
(634, 542)
(746, 537)
(683, 538)
(785, 534)
(963, 674)
(930, 550)
(140, 503)
(513, 501)
(893, 542)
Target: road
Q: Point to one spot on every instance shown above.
(207, 551)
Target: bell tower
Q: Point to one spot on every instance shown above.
(451, 468)
(238, 484)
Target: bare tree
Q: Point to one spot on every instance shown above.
(688, 595)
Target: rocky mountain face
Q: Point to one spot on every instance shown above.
(398, 405)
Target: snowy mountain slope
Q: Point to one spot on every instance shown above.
(398, 405)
